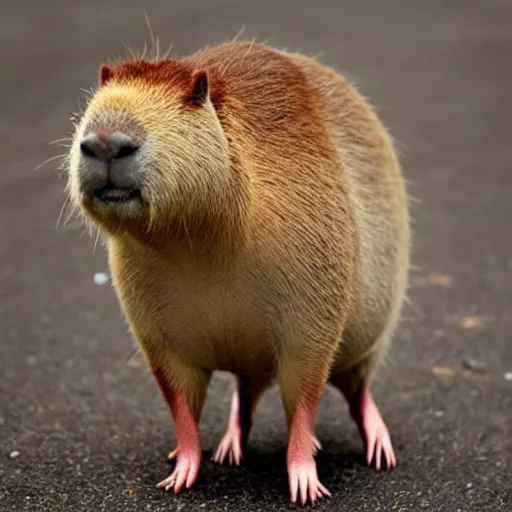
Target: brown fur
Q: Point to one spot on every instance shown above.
(273, 240)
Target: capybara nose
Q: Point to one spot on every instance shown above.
(108, 148)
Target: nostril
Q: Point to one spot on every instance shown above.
(121, 145)
(126, 149)
(87, 148)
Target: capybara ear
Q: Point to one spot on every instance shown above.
(106, 73)
(199, 89)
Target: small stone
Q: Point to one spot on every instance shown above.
(438, 414)
(474, 365)
(31, 360)
(101, 278)
(469, 485)
(508, 376)
(438, 333)
(14, 454)
(130, 491)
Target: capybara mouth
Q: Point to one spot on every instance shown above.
(112, 194)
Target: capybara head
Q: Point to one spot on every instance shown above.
(149, 148)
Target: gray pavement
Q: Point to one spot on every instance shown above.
(77, 404)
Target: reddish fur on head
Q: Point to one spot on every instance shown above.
(178, 75)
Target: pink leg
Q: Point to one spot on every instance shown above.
(373, 429)
(302, 474)
(243, 405)
(188, 451)
(231, 444)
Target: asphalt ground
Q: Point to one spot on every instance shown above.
(83, 426)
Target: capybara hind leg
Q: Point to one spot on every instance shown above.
(373, 429)
(246, 395)
(354, 384)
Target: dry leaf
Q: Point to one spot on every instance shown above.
(443, 371)
(443, 280)
(471, 322)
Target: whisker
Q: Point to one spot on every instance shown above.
(167, 52)
(239, 33)
(48, 161)
(72, 212)
(151, 33)
(59, 141)
(142, 57)
(62, 210)
(96, 240)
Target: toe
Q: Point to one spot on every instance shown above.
(237, 453)
(294, 485)
(389, 454)
(378, 454)
(303, 485)
(313, 489)
(164, 483)
(220, 454)
(370, 450)
(323, 489)
(181, 477)
(192, 475)
(167, 483)
(170, 484)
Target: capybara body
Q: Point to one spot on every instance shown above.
(256, 221)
